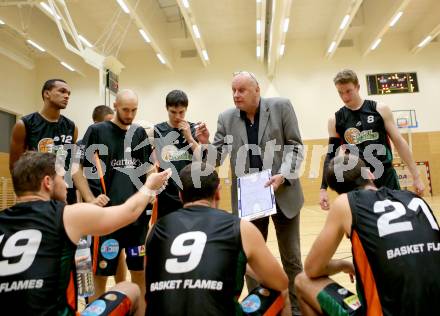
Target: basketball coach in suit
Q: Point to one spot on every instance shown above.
(262, 133)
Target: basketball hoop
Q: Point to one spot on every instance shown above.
(402, 123)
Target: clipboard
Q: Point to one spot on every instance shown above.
(254, 200)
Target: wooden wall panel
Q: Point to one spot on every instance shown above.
(426, 146)
(7, 196)
(4, 165)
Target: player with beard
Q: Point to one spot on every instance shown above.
(38, 238)
(122, 151)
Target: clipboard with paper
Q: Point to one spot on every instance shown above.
(254, 200)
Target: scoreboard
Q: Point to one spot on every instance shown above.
(401, 82)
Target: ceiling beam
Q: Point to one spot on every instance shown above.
(42, 31)
(12, 53)
(430, 26)
(150, 26)
(373, 34)
(190, 20)
(346, 11)
(280, 10)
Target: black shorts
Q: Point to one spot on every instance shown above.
(106, 249)
(388, 179)
(112, 303)
(262, 301)
(336, 300)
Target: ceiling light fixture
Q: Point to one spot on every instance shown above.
(376, 43)
(205, 54)
(282, 47)
(196, 31)
(144, 35)
(425, 41)
(123, 6)
(286, 25)
(85, 41)
(67, 66)
(344, 22)
(162, 61)
(396, 18)
(36, 45)
(258, 27)
(185, 3)
(331, 47)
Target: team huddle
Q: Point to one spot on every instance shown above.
(149, 197)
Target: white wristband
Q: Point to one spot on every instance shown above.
(146, 191)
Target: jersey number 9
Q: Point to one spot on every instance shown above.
(182, 246)
(24, 245)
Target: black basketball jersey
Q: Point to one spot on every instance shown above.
(94, 183)
(172, 151)
(122, 153)
(195, 263)
(45, 136)
(396, 251)
(54, 137)
(36, 260)
(364, 127)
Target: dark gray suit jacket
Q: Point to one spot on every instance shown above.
(280, 146)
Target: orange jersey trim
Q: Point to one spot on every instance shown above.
(374, 307)
(71, 292)
(95, 253)
(276, 307)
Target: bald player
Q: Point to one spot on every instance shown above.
(38, 238)
(395, 243)
(123, 154)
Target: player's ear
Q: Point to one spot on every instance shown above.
(47, 183)
(46, 94)
(217, 193)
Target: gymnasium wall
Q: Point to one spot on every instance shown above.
(18, 87)
(303, 75)
(426, 147)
